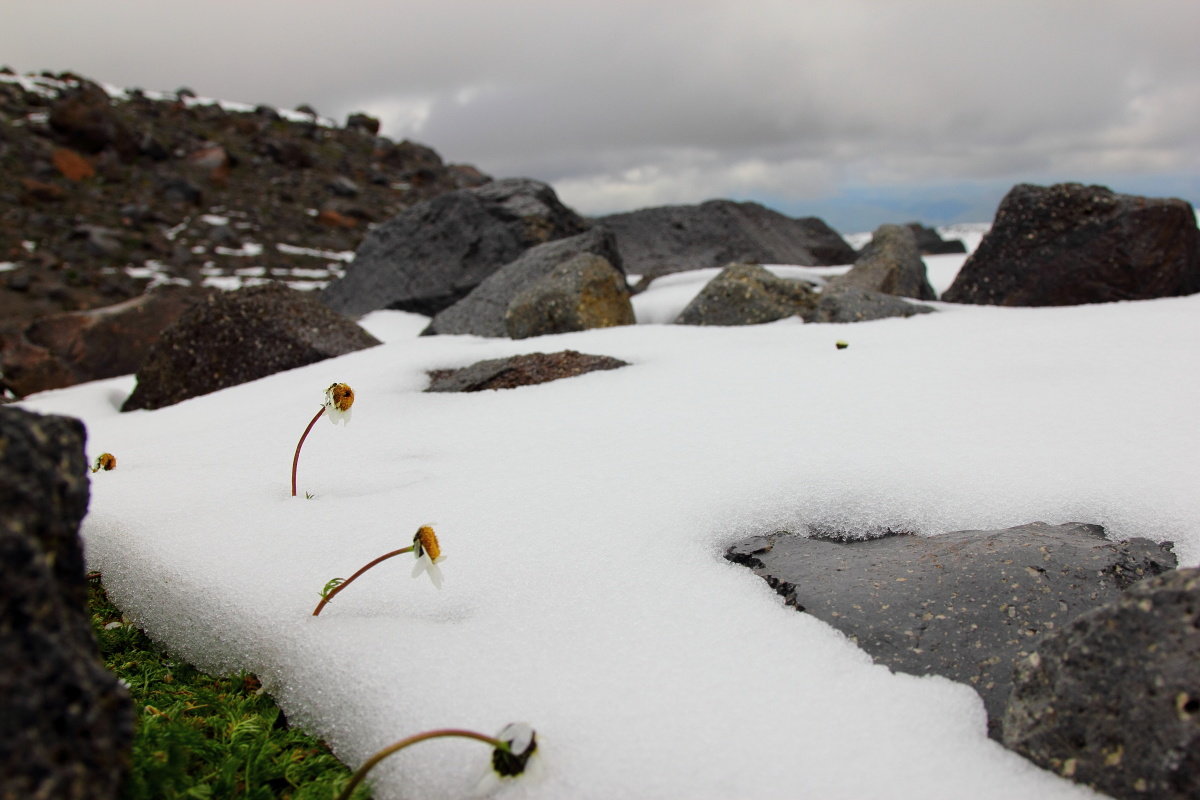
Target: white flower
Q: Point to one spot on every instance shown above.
(518, 758)
(429, 555)
(339, 397)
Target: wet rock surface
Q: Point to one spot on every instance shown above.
(66, 724)
(522, 370)
(748, 294)
(240, 336)
(964, 605)
(432, 255)
(1113, 699)
(482, 312)
(666, 239)
(1070, 244)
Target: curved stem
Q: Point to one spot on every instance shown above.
(369, 764)
(299, 444)
(350, 580)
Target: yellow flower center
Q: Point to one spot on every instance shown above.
(106, 461)
(426, 542)
(341, 395)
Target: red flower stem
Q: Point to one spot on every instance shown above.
(350, 580)
(403, 743)
(299, 444)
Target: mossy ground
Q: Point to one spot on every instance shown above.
(199, 736)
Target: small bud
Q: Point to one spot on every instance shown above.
(841, 345)
(105, 461)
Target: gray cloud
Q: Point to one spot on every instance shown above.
(626, 103)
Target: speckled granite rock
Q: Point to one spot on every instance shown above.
(965, 604)
(747, 294)
(523, 370)
(1113, 699)
(583, 293)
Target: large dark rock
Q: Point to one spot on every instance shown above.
(584, 293)
(964, 605)
(931, 243)
(890, 264)
(848, 304)
(747, 294)
(1070, 244)
(658, 241)
(1113, 699)
(241, 336)
(80, 346)
(66, 723)
(433, 254)
(481, 313)
(522, 370)
(86, 119)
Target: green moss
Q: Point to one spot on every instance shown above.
(198, 736)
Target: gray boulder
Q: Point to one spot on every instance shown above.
(237, 337)
(931, 243)
(584, 293)
(848, 304)
(1070, 244)
(964, 605)
(891, 264)
(658, 241)
(431, 255)
(1112, 700)
(481, 313)
(747, 294)
(66, 723)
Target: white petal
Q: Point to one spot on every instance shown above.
(435, 574)
(419, 567)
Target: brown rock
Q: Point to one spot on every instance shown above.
(522, 370)
(76, 347)
(583, 293)
(71, 165)
(41, 191)
(241, 336)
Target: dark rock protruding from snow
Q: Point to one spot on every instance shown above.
(431, 255)
(964, 605)
(848, 304)
(891, 263)
(523, 370)
(931, 243)
(584, 293)
(481, 313)
(1113, 699)
(240, 336)
(66, 723)
(80, 346)
(666, 239)
(1070, 244)
(747, 294)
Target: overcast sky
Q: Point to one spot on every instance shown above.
(859, 111)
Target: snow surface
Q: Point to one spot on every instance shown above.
(585, 521)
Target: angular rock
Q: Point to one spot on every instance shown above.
(584, 293)
(1112, 700)
(964, 605)
(890, 264)
(747, 294)
(481, 313)
(1070, 244)
(66, 723)
(658, 241)
(79, 346)
(363, 122)
(931, 243)
(241, 336)
(848, 304)
(522, 370)
(433, 254)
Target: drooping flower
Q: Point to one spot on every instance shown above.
(105, 461)
(429, 555)
(339, 397)
(516, 757)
